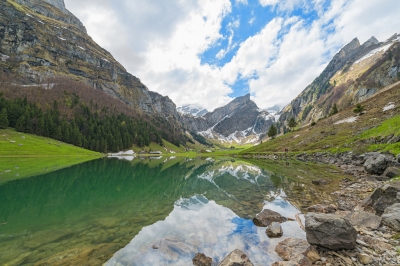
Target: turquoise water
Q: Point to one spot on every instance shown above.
(145, 212)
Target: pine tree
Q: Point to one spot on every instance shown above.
(3, 119)
(272, 132)
(359, 109)
(292, 123)
(334, 110)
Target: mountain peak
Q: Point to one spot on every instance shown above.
(370, 41)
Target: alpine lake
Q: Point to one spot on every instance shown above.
(153, 210)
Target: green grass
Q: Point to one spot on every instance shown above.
(24, 155)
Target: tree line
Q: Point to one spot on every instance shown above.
(102, 132)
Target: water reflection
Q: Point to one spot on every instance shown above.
(84, 214)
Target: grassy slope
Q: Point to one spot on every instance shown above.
(326, 136)
(36, 155)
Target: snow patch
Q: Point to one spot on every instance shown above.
(351, 119)
(296, 136)
(62, 39)
(41, 21)
(3, 57)
(80, 47)
(388, 107)
(374, 52)
(122, 153)
(106, 60)
(29, 15)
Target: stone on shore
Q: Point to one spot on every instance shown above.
(383, 197)
(201, 260)
(299, 260)
(362, 219)
(376, 164)
(321, 208)
(391, 216)
(236, 258)
(330, 231)
(364, 258)
(290, 248)
(266, 217)
(392, 172)
(274, 230)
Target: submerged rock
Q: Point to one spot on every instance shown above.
(236, 258)
(172, 249)
(384, 197)
(391, 216)
(295, 252)
(274, 230)
(330, 231)
(201, 260)
(321, 208)
(266, 217)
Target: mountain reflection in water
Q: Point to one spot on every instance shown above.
(145, 212)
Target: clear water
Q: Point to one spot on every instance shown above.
(146, 212)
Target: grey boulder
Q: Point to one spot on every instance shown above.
(384, 197)
(330, 231)
(274, 230)
(376, 164)
(236, 258)
(362, 219)
(392, 172)
(266, 217)
(294, 250)
(391, 216)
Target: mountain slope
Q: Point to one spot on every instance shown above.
(38, 40)
(240, 121)
(355, 73)
(193, 110)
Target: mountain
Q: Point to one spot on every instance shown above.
(42, 39)
(191, 109)
(240, 121)
(354, 74)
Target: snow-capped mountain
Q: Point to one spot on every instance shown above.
(191, 109)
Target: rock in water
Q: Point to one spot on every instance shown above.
(274, 230)
(266, 217)
(364, 219)
(322, 208)
(201, 260)
(392, 172)
(330, 231)
(376, 164)
(236, 258)
(384, 197)
(294, 251)
(391, 216)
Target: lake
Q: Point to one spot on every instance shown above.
(153, 211)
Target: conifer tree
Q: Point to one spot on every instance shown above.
(3, 119)
(272, 131)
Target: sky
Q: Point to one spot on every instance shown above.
(207, 52)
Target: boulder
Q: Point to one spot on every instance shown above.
(376, 164)
(319, 182)
(330, 231)
(201, 260)
(236, 258)
(266, 217)
(364, 258)
(362, 219)
(392, 172)
(290, 248)
(383, 197)
(391, 216)
(321, 208)
(299, 260)
(172, 249)
(274, 230)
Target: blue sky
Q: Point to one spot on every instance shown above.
(206, 52)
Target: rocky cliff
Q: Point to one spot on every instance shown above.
(355, 73)
(240, 121)
(42, 39)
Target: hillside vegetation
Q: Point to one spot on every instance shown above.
(376, 129)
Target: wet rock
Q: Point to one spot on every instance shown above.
(364, 258)
(172, 249)
(289, 248)
(320, 182)
(321, 208)
(364, 219)
(376, 164)
(330, 231)
(201, 260)
(266, 217)
(274, 230)
(391, 172)
(383, 197)
(236, 258)
(391, 216)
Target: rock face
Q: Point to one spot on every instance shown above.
(391, 216)
(384, 197)
(362, 219)
(236, 258)
(56, 44)
(238, 120)
(330, 231)
(376, 164)
(201, 260)
(274, 230)
(267, 217)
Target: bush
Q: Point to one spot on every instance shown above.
(358, 109)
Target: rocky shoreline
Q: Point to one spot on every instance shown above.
(361, 227)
